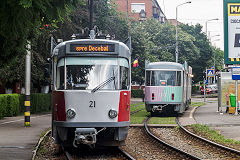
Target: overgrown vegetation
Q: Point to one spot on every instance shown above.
(136, 93)
(213, 135)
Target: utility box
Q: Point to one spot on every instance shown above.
(231, 110)
(232, 100)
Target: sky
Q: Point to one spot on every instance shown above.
(198, 11)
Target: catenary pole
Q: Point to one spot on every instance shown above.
(27, 86)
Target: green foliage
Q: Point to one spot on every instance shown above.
(9, 105)
(154, 42)
(3, 105)
(20, 21)
(201, 42)
(136, 93)
(195, 89)
(13, 104)
(40, 102)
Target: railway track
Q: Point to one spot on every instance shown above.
(171, 147)
(106, 153)
(233, 153)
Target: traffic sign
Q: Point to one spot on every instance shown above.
(236, 73)
(210, 72)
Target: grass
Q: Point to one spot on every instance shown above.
(197, 104)
(138, 117)
(42, 149)
(162, 120)
(213, 134)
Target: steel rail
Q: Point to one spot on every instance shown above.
(206, 140)
(166, 144)
(126, 155)
(131, 113)
(66, 154)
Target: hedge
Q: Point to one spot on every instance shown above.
(13, 104)
(136, 93)
(195, 89)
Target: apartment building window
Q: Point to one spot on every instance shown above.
(137, 7)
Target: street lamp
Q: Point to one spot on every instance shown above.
(214, 80)
(176, 51)
(207, 22)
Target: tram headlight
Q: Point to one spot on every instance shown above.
(71, 113)
(112, 113)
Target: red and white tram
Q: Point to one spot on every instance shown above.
(91, 92)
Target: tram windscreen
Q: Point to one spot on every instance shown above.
(85, 73)
(163, 78)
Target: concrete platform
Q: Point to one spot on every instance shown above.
(16, 141)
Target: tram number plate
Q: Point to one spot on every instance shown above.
(92, 104)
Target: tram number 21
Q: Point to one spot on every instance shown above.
(92, 104)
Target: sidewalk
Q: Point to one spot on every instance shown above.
(16, 141)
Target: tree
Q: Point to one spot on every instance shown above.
(203, 44)
(154, 42)
(20, 21)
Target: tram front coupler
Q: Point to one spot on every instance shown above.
(86, 136)
(158, 108)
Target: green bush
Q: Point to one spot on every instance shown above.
(195, 89)
(137, 93)
(40, 102)
(13, 104)
(3, 105)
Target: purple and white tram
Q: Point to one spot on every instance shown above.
(91, 92)
(168, 87)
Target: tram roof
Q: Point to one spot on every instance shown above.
(164, 65)
(120, 48)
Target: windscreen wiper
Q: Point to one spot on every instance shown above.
(103, 84)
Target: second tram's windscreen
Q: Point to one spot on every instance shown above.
(84, 73)
(163, 78)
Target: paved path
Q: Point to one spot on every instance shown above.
(16, 141)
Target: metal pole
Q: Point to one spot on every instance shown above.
(27, 86)
(176, 35)
(236, 97)
(204, 87)
(91, 15)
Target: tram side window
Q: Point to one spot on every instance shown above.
(60, 77)
(148, 79)
(124, 79)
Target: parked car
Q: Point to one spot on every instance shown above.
(213, 87)
(208, 90)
